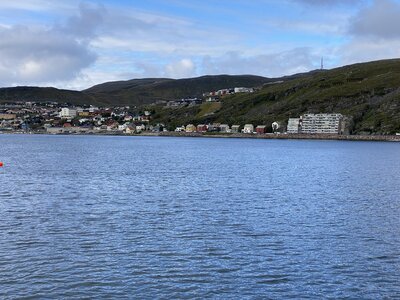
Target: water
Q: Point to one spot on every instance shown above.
(182, 218)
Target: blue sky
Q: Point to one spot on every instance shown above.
(76, 44)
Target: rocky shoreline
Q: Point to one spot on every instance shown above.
(282, 136)
(386, 138)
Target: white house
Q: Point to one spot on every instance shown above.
(248, 128)
(243, 90)
(224, 128)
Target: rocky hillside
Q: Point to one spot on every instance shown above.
(369, 93)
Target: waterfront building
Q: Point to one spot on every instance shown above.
(248, 128)
(261, 129)
(190, 128)
(213, 127)
(140, 128)
(130, 129)
(235, 128)
(201, 128)
(224, 128)
(322, 123)
(293, 125)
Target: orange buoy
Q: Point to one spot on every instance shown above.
(1, 164)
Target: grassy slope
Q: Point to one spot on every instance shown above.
(133, 92)
(46, 94)
(369, 93)
(151, 90)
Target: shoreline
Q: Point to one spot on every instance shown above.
(371, 138)
(377, 138)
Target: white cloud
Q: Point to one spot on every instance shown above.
(380, 20)
(101, 43)
(34, 5)
(374, 33)
(364, 50)
(180, 69)
(271, 65)
(41, 55)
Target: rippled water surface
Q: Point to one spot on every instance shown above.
(172, 218)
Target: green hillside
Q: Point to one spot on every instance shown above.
(134, 92)
(44, 94)
(369, 93)
(145, 91)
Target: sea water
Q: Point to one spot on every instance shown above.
(181, 218)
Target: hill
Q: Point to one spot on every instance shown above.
(146, 91)
(369, 93)
(44, 94)
(133, 92)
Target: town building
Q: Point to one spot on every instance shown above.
(248, 128)
(213, 127)
(235, 128)
(322, 123)
(201, 128)
(8, 116)
(68, 112)
(190, 128)
(261, 129)
(224, 128)
(293, 125)
(243, 90)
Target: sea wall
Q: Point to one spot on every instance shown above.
(389, 138)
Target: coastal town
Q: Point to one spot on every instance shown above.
(52, 118)
(63, 118)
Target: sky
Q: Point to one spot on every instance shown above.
(77, 44)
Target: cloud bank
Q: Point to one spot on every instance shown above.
(37, 54)
(79, 45)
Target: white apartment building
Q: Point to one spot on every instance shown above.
(322, 123)
(68, 112)
(293, 125)
(243, 90)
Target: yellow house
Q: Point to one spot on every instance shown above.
(190, 128)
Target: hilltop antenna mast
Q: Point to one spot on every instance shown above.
(322, 63)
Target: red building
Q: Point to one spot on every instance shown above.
(201, 128)
(261, 129)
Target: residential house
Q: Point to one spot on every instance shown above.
(190, 128)
(201, 128)
(235, 128)
(140, 128)
(248, 128)
(180, 129)
(224, 128)
(261, 129)
(8, 116)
